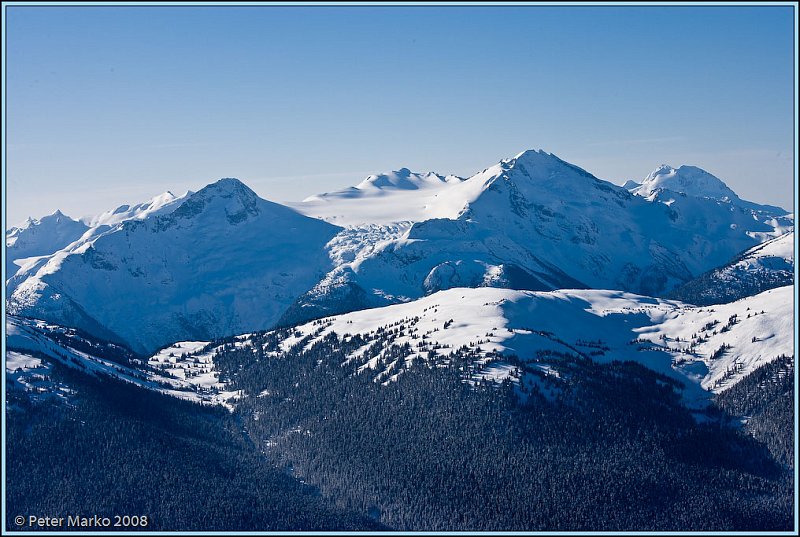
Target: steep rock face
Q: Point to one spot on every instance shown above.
(38, 238)
(536, 222)
(763, 267)
(223, 262)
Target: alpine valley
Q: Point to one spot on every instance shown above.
(527, 349)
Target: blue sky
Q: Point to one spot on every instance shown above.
(113, 105)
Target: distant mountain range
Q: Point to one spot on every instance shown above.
(223, 261)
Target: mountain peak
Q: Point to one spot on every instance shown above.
(228, 184)
(532, 152)
(540, 166)
(228, 187)
(663, 169)
(689, 180)
(54, 218)
(529, 156)
(227, 195)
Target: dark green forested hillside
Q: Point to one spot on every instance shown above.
(119, 450)
(615, 449)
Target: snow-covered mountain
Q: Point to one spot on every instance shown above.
(536, 222)
(30, 244)
(224, 261)
(766, 266)
(666, 181)
(391, 198)
(687, 180)
(40, 237)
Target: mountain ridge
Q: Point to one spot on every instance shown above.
(532, 222)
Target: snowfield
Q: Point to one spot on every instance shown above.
(392, 198)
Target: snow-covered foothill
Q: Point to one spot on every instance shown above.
(33, 376)
(670, 337)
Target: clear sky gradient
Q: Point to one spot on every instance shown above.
(113, 105)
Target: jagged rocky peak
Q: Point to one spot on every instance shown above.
(52, 222)
(40, 237)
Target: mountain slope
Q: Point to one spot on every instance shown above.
(50, 239)
(223, 262)
(158, 205)
(30, 340)
(766, 266)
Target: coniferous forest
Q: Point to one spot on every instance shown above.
(316, 445)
